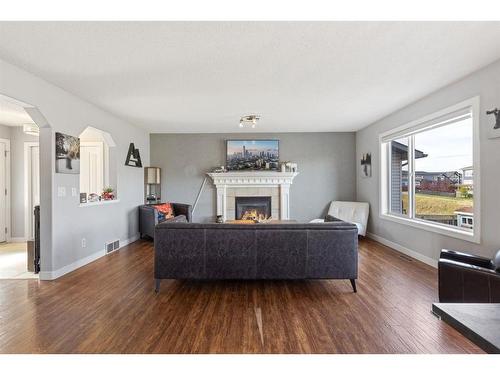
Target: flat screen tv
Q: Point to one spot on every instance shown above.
(254, 154)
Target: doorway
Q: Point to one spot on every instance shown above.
(19, 191)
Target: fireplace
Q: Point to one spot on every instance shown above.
(252, 208)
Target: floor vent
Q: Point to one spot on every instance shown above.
(112, 246)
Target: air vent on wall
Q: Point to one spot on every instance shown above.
(112, 246)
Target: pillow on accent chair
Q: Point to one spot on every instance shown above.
(165, 209)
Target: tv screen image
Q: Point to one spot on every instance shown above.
(255, 154)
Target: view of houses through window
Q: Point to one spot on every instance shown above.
(440, 159)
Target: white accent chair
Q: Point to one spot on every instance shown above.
(352, 212)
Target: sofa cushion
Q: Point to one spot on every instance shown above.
(178, 219)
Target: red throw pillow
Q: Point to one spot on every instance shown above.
(166, 209)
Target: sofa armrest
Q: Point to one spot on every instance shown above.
(466, 266)
(470, 259)
(182, 209)
(461, 282)
(148, 218)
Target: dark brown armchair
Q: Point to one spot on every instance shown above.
(468, 278)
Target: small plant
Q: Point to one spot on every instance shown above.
(107, 193)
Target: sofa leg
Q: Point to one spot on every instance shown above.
(353, 283)
(157, 285)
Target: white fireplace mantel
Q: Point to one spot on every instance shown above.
(281, 180)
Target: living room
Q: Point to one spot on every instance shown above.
(246, 187)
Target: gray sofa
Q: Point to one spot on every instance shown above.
(148, 217)
(259, 251)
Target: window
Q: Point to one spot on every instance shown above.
(97, 163)
(92, 170)
(429, 172)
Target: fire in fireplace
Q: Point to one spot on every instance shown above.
(253, 208)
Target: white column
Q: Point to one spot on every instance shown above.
(285, 201)
(221, 201)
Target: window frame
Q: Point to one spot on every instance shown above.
(410, 128)
(103, 148)
(109, 168)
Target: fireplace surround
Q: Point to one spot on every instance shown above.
(231, 185)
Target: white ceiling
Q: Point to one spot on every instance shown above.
(202, 76)
(12, 114)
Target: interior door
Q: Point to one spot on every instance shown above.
(3, 202)
(35, 185)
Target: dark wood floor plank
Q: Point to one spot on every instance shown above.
(109, 306)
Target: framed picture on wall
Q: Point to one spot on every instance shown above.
(366, 165)
(252, 154)
(67, 154)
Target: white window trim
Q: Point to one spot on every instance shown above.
(450, 231)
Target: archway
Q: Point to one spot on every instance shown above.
(45, 167)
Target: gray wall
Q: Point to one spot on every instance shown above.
(486, 84)
(69, 223)
(326, 162)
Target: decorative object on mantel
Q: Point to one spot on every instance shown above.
(67, 154)
(133, 157)
(220, 169)
(495, 132)
(83, 197)
(252, 154)
(366, 165)
(289, 167)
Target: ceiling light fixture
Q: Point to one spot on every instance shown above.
(249, 120)
(31, 129)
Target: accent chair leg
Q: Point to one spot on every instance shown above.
(353, 283)
(157, 285)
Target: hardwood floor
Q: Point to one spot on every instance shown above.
(109, 306)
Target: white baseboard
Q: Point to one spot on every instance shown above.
(129, 241)
(52, 275)
(17, 239)
(402, 249)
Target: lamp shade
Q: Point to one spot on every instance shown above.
(153, 175)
